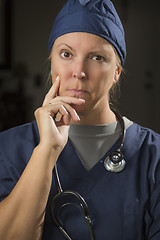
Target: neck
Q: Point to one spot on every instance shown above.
(97, 116)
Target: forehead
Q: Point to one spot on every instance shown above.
(82, 40)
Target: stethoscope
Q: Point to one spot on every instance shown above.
(114, 163)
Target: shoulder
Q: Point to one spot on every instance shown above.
(26, 132)
(142, 149)
(19, 142)
(16, 147)
(143, 135)
(139, 138)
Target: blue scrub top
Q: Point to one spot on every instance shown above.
(122, 206)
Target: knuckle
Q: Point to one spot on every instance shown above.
(47, 96)
(38, 111)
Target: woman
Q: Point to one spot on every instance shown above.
(87, 52)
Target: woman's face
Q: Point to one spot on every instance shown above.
(87, 67)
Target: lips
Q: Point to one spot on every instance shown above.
(77, 92)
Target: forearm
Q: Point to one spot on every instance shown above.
(22, 212)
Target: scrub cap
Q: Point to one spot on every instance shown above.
(98, 17)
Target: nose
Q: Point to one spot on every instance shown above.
(79, 70)
(81, 75)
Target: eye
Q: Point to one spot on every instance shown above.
(65, 54)
(98, 58)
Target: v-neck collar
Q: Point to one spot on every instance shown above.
(69, 158)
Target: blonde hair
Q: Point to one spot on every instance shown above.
(114, 92)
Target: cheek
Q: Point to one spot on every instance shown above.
(64, 74)
(58, 69)
(104, 83)
(105, 78)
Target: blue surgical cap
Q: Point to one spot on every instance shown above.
(98, 17)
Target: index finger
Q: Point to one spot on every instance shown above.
(52, 92)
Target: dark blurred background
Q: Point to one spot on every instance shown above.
(24, 32)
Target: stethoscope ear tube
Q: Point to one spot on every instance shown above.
(74, 195)
(56, 221)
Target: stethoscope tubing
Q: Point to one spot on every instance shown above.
(78, 197)
(110, 166)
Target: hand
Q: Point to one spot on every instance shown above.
(52, 133)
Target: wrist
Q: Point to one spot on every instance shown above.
(48, 155)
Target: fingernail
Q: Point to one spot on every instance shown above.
(83, 100)
(77, 116)
(57, 78)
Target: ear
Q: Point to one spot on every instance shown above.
(117, 73)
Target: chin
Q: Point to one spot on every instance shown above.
(80, 109)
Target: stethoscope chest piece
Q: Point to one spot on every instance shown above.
(115, 162)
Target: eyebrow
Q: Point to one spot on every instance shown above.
(65, 45)
(93, 51)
